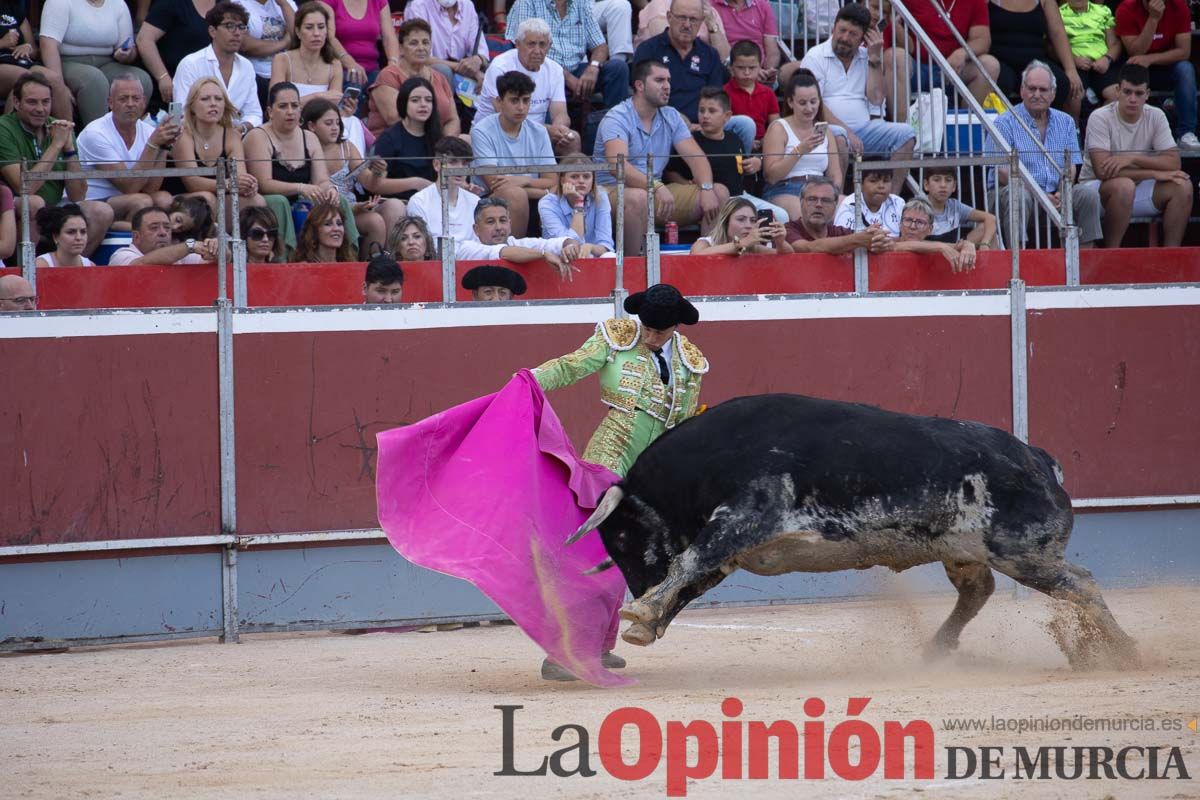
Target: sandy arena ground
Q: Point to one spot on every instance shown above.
(390, 715)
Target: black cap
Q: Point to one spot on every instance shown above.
(661, 307)
(489, 275)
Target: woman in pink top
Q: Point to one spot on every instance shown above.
(358, 27)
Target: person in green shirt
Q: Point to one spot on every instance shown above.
(1092, 32)
(29, 133)
(649, 375)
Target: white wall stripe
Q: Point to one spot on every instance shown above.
(435, 316)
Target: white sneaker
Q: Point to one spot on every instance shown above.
(1189, 141)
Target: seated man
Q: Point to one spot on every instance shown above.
(644, 125)
(227, 25)
(579, 47)
(509, 138)
(152, 243)
(815, 232)
(548, 104)
(849, 69)
(916, 222)
(493, 283)
(970, 19)
(450, 151)
(122, 140)
(46, 144)
(1132, 158)
(692, 65)
(493, 239)
(383, 281)
(16, 294)
(1056, 132)
(1157, 34)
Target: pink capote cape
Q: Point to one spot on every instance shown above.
(488, 491)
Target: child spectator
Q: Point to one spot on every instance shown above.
(746, 95)
(882, 208)
(724, 151)
(450, 151)
(1092, 32)
(577, 209)
(949, 213)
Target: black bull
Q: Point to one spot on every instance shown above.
(784, 483)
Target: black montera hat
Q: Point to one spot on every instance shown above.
(489, 275)
(661, 307)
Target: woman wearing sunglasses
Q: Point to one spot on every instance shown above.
(261, 230)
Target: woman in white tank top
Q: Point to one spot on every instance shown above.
(309, 61)
(794, 149)
(63, 231)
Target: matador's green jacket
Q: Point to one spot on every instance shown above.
(641, 406)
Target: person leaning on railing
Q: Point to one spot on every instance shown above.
(814, 231)
(915, 225)
(152, 244)
(738, 231)
(494, 239)
(46, 144)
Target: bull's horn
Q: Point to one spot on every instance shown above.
(603, 565)
(608, 503)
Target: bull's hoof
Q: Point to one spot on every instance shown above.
(638, 611)
(640, 634)
(938, 648)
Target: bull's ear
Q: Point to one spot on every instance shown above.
(608, 504)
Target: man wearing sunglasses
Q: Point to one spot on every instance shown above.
(227, 24)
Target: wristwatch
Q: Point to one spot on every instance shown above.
(191, 245)
(706, 187)
(594, 63)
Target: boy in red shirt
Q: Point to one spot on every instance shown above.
(1157, 34)
(746, 95)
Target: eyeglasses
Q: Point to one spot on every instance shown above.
(692, 21)
(913, 222)
(263, 233)
(235, 27)
(29, 300)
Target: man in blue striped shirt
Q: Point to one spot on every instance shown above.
(1056, 132)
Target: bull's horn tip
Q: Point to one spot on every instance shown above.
(576, 536)
(603, 565)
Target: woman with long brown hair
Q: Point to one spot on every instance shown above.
(323, 238)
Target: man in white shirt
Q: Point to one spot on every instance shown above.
(122, 140)
(1134, 160)
(849, 68)
(494, 239)
(450, 151)
(227, 26)
(152, 244)
(548, 104)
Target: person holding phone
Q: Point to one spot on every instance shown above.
(740, 229)
(798, 147)
(88, 45)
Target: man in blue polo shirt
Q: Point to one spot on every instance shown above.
(645, 125)
(693, 65)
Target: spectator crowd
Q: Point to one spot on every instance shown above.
(338, 117)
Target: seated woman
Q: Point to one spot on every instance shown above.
(191, 218)
(16, 36)
(260, 229)
(916, 223)
(374, 216)
(578, 209)
(407, 147)
(323, 238)
(737, 231)
(281, 152)
(309, 63)
(794, 148)
(410, 240)
(88, 44)
(207, 136)
(415, 48)
(63, 231)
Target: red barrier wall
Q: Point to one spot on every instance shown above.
(109, 437)
(335, 284)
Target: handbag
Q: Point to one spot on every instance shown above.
(927, 116)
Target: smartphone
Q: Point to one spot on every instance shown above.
(351, 92)
(175, 111)
(821, 128)
(764, 217)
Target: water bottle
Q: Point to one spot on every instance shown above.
(672, 233)
(300, 210)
